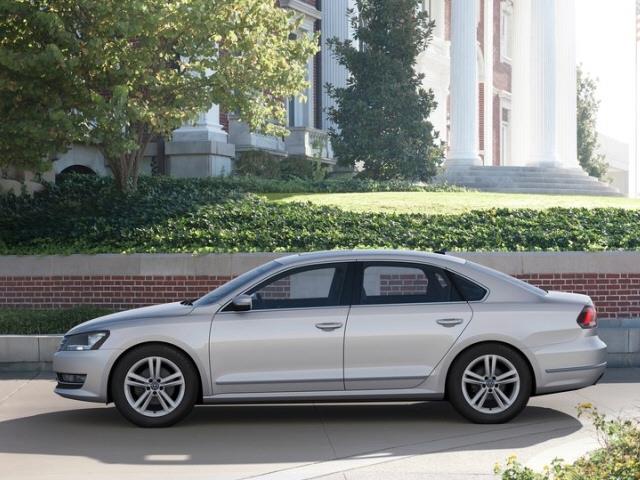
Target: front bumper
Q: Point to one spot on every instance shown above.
(95, 364)
(573, 365)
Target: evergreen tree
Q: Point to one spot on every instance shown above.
(382, 115)
(591, 161)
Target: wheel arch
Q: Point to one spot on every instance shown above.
(517, 350)
(165, 344)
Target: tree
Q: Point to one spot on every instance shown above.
(382, 115)
(37, 92)
(591, 161)
(124, 71)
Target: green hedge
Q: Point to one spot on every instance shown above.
(338, 185)
(43, 322)
(168, 215)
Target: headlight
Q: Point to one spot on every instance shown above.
(83, 341)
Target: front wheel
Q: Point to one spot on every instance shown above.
(154, 386)
(489, 383)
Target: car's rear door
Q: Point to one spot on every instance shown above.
(292, 338)
(404, 318)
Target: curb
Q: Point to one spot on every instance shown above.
(18, 349)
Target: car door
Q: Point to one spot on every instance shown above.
(292, 338)
(404, 318)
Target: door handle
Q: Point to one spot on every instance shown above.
(328, 326)
(450, 322)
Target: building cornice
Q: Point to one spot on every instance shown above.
(302, 7)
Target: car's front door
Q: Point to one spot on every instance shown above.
(404, 319)
(292, 338)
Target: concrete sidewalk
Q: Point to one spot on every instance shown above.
(43, 436)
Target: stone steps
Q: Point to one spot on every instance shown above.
(528, 180)
(539, 180)
(553, 191)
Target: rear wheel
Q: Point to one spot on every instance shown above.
(489, 383)
(154, 386)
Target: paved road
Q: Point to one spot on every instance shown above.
(43, 436)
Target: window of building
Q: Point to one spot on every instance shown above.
(292, 112)
(506, 23)
(505, 132)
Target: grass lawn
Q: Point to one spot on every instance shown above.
(449, 202)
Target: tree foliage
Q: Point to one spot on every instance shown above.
(593, 162)
(116, 73)
(381, 116)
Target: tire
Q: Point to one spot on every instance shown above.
(489, 398)
(141, 398)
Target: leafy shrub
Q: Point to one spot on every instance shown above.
(341, 185)
(256, 163)
(168, 215)
(619, 457)
(44, 322)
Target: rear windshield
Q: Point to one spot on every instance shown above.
(508, 278)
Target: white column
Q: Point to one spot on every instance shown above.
(566, 115)
(544, 147)
(488, 82)
(520, 84)
(335, 24)
(463, 143)
(206, 127)
(437, 14)
(309, 107)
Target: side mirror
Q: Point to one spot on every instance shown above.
(242, 303)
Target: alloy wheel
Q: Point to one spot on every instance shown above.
(490, 384)
(154, 386)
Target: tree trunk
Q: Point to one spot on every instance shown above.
(125, 172)
(126, 167)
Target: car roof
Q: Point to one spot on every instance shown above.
(397, 255)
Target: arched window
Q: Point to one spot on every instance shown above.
(75, 169)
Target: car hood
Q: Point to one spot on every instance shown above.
(174, 309)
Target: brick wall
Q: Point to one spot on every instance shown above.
(404, 284)
(109, 291)
(615, 295)
(611, 279)
(277, 290)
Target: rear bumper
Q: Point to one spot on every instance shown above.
(569, 366)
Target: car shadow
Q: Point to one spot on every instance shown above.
(214, 435)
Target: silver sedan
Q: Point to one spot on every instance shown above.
(340, 326)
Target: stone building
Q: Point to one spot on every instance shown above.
(503, 74)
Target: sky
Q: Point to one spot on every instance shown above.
(605, 45)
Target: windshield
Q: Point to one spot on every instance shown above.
(222, 291)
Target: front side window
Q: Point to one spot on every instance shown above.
(406, 283)
(317, 286)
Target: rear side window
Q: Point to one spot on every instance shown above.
(393, 283)
(470, 291)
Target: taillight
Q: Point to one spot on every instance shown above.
(587, 317)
